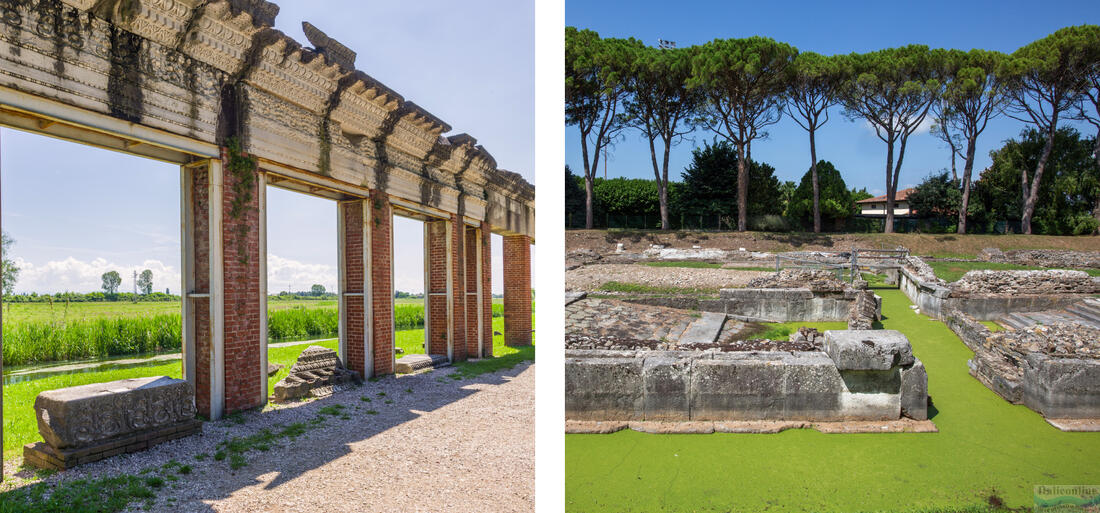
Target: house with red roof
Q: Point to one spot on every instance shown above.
(876, 207)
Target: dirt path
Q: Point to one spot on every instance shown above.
(423, 442)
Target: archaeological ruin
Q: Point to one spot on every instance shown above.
(238, 105)
(662, 356)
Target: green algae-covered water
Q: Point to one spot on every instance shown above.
(985, 447)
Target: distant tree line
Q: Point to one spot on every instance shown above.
(701, 197)
(737, 88)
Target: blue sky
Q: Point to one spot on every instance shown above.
(76, 212)
(826, 28)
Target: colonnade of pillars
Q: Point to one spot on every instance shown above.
(224, 287)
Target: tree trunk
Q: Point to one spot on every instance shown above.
(587, 182)
(813, 176)
(888, 226)
(1030, 197)
(662, 186)
(1096, 155)
(665, 224)
(742, 189)
(968, 169)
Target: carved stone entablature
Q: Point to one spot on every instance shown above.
(332, 49)
(205, 71)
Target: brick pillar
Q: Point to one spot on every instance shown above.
(353, 319)
(198, 329)
(222, 320)
(436, 320)
(241, 285)
(486, 291)
(380, 228)
(473, 297)
(517, 290)
(458, 288)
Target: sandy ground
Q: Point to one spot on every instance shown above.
(591, 277)
(463, 446)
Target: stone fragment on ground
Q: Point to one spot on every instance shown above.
(317, 372)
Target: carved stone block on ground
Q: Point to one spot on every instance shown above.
(317, 372)
(91, 422)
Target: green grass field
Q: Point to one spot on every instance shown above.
(20, 427)
(952, 271)
(985, 447)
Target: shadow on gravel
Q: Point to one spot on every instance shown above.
(306, 459)
(289, 457)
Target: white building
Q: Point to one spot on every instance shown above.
(876, 207)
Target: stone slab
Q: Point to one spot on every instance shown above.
(604, 389)
(1062, 387)
(88, 415)
(573, 297)
(765, 386)
(705, 329)
(1083, 425)
(414, 362)
(914, 391)
(666, 378)
(42, 455)
(752, 427)
(868, 350)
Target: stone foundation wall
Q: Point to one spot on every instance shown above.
(844, 382)
(865, 310)
(782, 305)
(1056, 258)
(1024, 282)
(989, 295)
(1035, 367)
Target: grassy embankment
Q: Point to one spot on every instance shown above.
(40, 332)
(20, 427)
(986, 448)
(952, 271)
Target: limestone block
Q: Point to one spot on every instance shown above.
(868, 350)
(914, 391)
(666, 379)
(89, 414)
(604, 389)
(770, 385)
(1062, 387)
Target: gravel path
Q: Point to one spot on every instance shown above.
(448, 445)
(591, 277)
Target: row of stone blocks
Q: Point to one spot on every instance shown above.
(91, 422)
(1056, 387)
(861, 375)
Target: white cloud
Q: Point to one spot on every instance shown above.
(72, 275)
(285, 273)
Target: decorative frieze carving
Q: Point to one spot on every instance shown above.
(166, 63)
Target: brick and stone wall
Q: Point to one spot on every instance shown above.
(381, 269)
(354, 269)
(437, 286)
(472, 306)
(200, 306)
(241, 270)
(458, 288)
(487, 288)
(517, 290)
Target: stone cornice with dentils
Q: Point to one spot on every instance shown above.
(222, 35)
